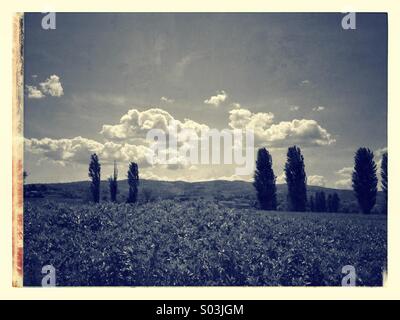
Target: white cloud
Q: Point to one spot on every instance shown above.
(319, 108)
(217, 99)
(135, 124)
(316, 180)
(343, 184)
(52, 86)
(302, 132)
(345, 172)
(126, 141)
(34, 93)
(345, 178)
(167, 100)
(78, 150)
(243, 118)
(294, 108)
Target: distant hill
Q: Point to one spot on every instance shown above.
(229, 193)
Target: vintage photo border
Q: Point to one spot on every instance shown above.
(392, 284)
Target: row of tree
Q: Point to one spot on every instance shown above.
(319, 203)
(95, 175)
(364, 182)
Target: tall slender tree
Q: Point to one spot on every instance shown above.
(296, 179)
(94, 174)
(133, 181)
(364, 178)
(384, 176)
(264, 180)
(113, 183)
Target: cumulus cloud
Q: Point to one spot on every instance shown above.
(167, 100)
(302, 132)
(343, 184)
(217, 99)
(245, 119)
(136, 124)
(344, 181)
(319, 108)
(294, 108)
(305, 82)
(34, 93)
(126, 140)
(316, 180)
(78, 150)
(345, 172)
(52, 86)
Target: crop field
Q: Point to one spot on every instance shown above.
(198, 243)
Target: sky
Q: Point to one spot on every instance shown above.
(97, 82)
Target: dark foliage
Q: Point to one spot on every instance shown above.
(311, 203)
(133, 181)
(320, 202)
(296, 180)
(113, 184)
(94, 174)
(148, 195)
(333, 202)
(264, 181)
(384, 175)
(364, 178)
(198, 243)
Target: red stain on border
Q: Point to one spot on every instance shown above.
(17, 152)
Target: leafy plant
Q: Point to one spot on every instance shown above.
(94, 174)
(198, 243)
(133, 181)
(264, 181)
(296, 180)
(364, 178)
(113, 184)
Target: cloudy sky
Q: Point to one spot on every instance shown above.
(98, 81)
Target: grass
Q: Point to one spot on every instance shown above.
(198, 243)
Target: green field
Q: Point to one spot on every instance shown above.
(198, 243)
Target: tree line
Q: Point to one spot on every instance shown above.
(364, 183)
(95, 176)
